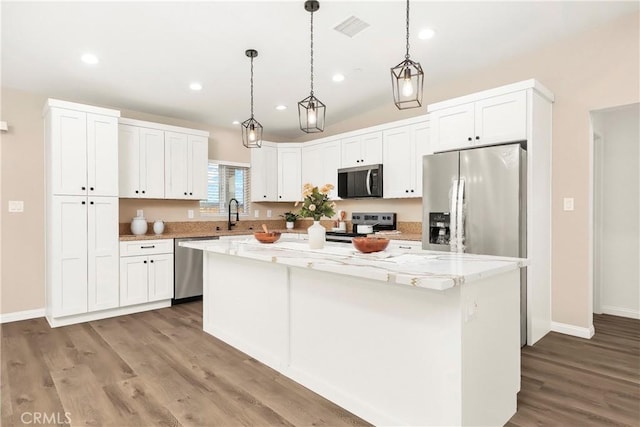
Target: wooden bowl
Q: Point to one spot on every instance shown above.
(263, 237)
(370, 244)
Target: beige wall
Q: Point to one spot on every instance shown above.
(594, 70)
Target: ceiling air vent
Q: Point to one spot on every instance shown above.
(351, 26)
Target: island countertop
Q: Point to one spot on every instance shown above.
(423, 269)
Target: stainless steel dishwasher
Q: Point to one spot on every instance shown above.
(187, 271)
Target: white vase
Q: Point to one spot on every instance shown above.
(316, 235)
(158, 227)
(139, 226)
(290, 225)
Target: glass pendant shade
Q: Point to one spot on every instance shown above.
(251, 133)
(407, 79)
(311, 111)
(251, 128)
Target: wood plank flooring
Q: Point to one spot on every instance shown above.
(160, 369)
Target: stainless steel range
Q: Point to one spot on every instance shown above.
(364, 223)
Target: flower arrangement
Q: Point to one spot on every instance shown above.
(290, 216)
(316, 203)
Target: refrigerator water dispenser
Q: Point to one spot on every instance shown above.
(439, 228)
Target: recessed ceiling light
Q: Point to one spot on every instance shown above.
(195, 86)
(338, 77)
(235, 122)
(89, 58)
(281, 107)
(426, 34)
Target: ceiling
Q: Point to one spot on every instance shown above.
(150, 52)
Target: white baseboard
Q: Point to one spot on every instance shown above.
(572, 330)
(620, 311)
(21, 315)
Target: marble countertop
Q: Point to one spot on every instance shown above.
(417, 268)
(218, 233)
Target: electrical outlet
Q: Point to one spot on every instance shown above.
(268, 213)
(190, 213)
(16, 206)
(139, 212)
(256, 213)
(568, 203)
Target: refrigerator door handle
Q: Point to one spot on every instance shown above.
(460, 217)
(453, 239)
(368, 184)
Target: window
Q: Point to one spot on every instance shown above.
(226, 181)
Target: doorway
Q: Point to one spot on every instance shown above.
(616, 211)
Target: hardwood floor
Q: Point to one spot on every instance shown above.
(159, 368)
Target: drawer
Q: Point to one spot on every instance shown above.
(146, 247)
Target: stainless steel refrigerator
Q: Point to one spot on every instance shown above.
(475, 201)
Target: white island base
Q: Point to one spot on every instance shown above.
(392, 354)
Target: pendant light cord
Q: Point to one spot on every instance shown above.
(252, 87)
(311, 53)
(406, 56)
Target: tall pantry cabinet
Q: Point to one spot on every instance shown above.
(82, 261)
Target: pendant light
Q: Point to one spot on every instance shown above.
(251, 128)
(310, 109)
(407, 78)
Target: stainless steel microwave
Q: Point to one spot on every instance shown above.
(360, 182)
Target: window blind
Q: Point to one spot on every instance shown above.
(226, 182)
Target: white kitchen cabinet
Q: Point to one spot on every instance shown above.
(403, 150)
(289, 172)
(186, 160)
(320, 164)
(264, 173)
(83, 249)
(494, 120)
(146, 271)
(359, 150)
(141, 162)
(81, 232)
(83, 150)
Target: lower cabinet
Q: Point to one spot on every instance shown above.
(146, 271)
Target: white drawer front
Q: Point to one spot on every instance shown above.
(146, 247)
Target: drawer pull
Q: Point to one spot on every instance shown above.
(404, 247)
(148, 247)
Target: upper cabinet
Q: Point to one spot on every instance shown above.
(83, 150)
(493, 120)
(141, 162)
(264, 173)
(359, 150)
(289, 172)
(320, 164)
(403, 148)
(162, 162)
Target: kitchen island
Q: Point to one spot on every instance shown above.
(396, 337)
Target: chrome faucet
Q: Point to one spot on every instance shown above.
(232, 224)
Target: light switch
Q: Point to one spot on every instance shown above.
(190, 213)
(256, 213)
(16, 206)
(568, 203)
(139, 212)
(268, 213)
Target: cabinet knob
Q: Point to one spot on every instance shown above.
(91, 202)
(84, 203)
(143, 192)
(190, 193)
(91, 188)
(151, 261)
(412, 191)
(84, 188)
(477, 137)
(185, 193)
(137, 191)
(265, 196)
(357, 161)
(406, 191)
(280, 197)
(144, 261)
(361, 160)
(469, 138)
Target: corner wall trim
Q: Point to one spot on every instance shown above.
(620, 311)
(21, 315)
(575, 331)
